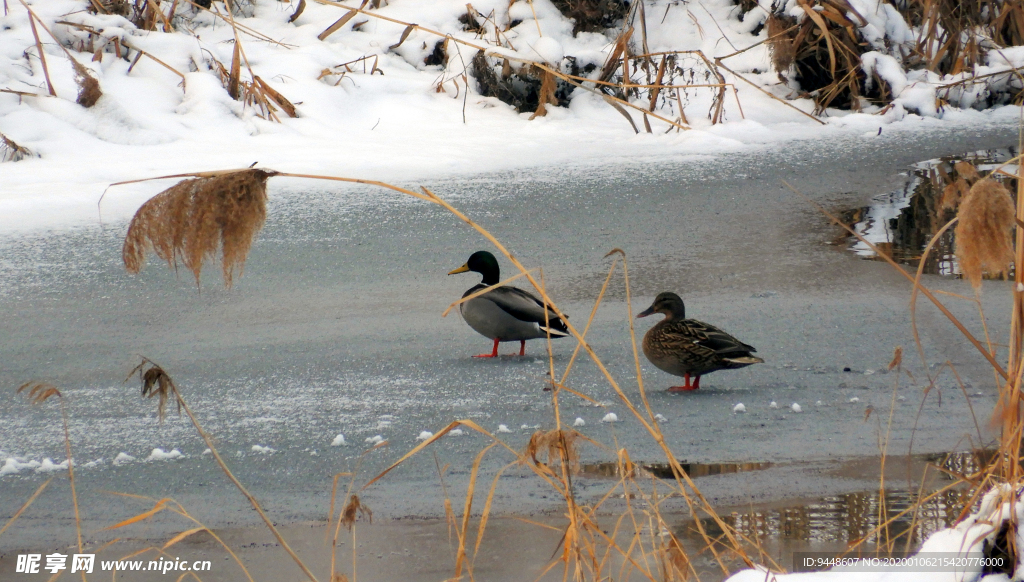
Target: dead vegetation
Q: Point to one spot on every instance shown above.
(592, 15)
(190, 221)
(12, 152)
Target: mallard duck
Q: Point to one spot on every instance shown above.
(687, 347)
(505, 314)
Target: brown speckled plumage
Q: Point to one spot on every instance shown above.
(687, 347)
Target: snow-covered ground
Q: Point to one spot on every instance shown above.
(407, 121)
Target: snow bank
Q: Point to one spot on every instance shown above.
(379, 117)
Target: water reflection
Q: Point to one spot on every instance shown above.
(846, 518)
(664, 470)
(901, 223)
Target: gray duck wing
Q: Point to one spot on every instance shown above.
(523, 306)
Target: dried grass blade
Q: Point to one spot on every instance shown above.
(182, 536)
(25, 506)
(468, 509)
(160, 506)
(405, 34)
(621, 110)
(235, 71)
(482, 292)
(298, 11)
(285, 104)
(337, 24)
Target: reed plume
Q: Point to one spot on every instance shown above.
(983, 234)
(191, 220)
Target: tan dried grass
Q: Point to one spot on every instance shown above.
(983, 242)
(191, 220)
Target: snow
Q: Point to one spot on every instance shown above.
(739, 408)
(339, 441)
(819, 403)
(660, 418)
(207, 452)
(854, 400)
(48, 466)
(773, 404)
(13, 465)
(262, 450)
(159, 454)
(796, 408)
(123, 458)
(375, 440)
(579, 422)
(386, 126)
(503, 428)
(610, 417)
(424, 435)
(456, 432)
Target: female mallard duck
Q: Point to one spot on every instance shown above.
(505, 314)
(687, 347)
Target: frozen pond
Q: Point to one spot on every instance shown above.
(335, 328)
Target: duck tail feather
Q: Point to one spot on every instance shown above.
(744, 360)
(553, 331)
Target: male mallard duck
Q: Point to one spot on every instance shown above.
(505, 314)
(687, 347)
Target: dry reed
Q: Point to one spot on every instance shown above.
(192, 220)
(983, 241)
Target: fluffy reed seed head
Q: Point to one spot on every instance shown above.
(551, 443)
(983, 241)
(782, 51)
(194, 218)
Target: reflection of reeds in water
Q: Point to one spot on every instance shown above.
(901, 223)
(848, 517)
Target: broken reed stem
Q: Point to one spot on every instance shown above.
(39, 48)
(252, 500)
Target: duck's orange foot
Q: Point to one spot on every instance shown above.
(681, 388)
(493, 354)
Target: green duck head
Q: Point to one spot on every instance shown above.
(668, 303)
(484, 263)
